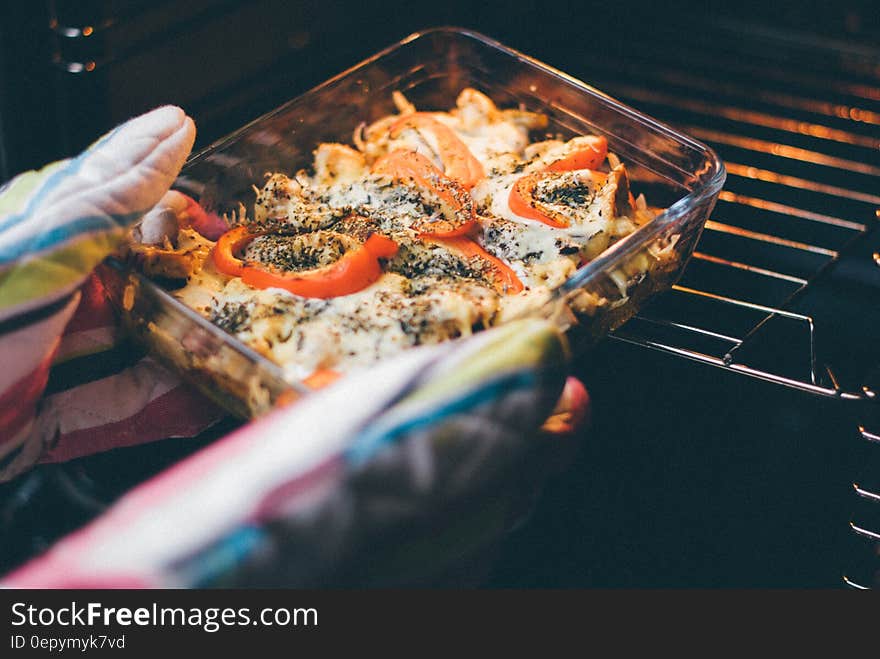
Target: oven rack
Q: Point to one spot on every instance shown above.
(798, 130)
(721, 349)
(796, 119)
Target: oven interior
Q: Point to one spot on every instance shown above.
(736, 434)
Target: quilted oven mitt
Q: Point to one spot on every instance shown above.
(384, 477)
(56, 225)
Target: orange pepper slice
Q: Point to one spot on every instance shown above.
(459, 214)
(590, 157)
(521, 199)
(458, 161)
(503, 277)
(352, 272)
(227, 245)
(320, 378)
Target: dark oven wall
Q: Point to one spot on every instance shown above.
(71, 69)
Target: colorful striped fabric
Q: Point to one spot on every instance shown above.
(290, 499)
(56, 225)
(104, 393)
(28, 348)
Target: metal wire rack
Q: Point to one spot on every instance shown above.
(796, 120)
(801, 150)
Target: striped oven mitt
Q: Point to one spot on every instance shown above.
(56, 225)
(391, 476)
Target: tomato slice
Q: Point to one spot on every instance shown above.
(504, 279)
(457, 206)
(458, 161)
(352, 272)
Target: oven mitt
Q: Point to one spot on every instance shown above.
(383, 477)
(56, 225)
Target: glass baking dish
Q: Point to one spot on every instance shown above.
(431, 67)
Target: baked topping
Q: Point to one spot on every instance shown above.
(436, 225)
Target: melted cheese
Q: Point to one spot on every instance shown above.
(427, 293)
(346, 332)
